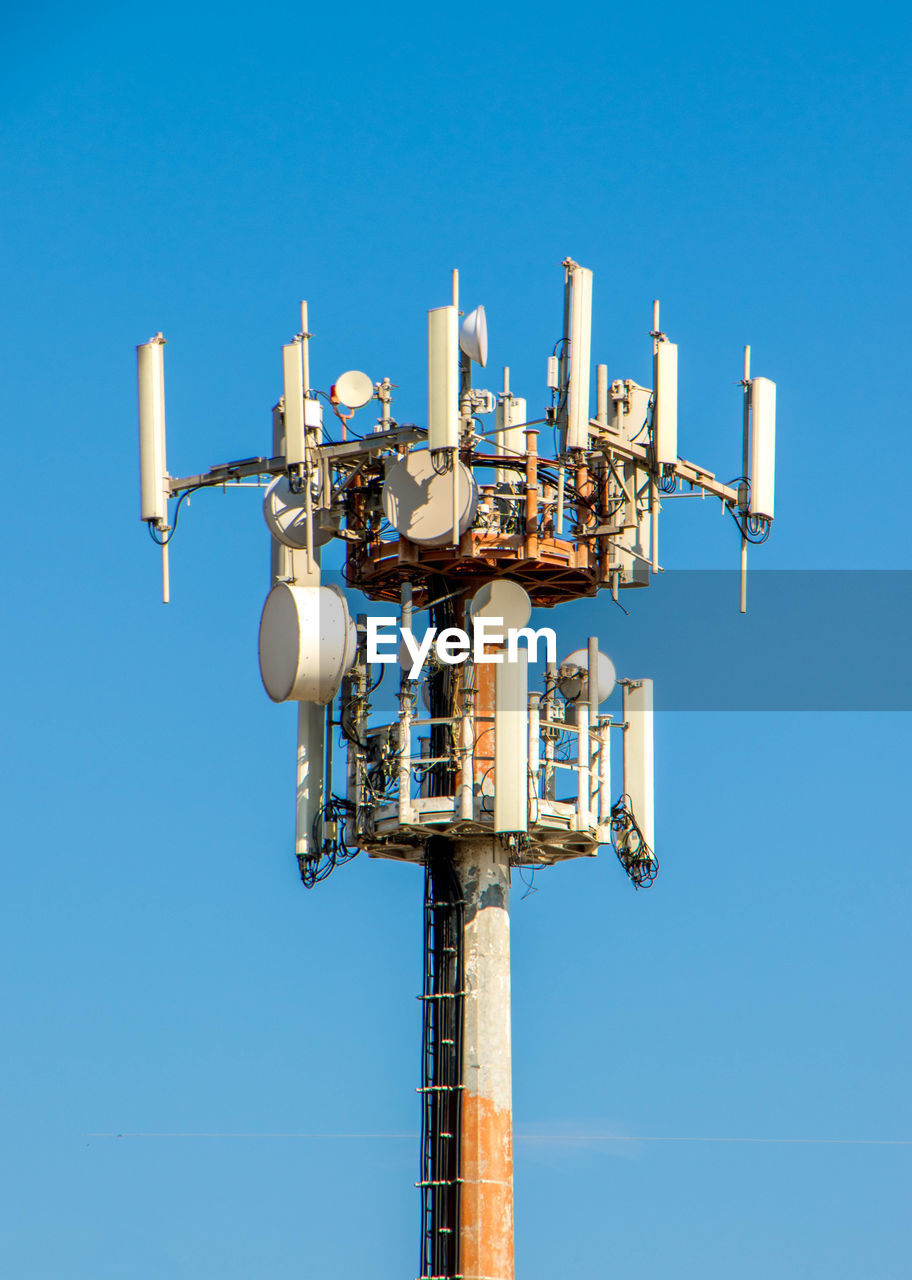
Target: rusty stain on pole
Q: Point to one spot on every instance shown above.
(486, 1152)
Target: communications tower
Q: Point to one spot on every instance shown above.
(456, 530)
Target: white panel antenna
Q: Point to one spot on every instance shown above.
(601, 394)
(579, 286)
(762, 447)
(510, 437)
(293, 378)
(511, 745)
(150, 369)
(666, 402)
(639, 781)
(631, 409)
(310, 776)
(443, 378)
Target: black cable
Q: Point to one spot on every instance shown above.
(637, 859)
(343, 722)
(530, 883)
(647, 423)
(164, 540)
(756, 529)
(316, 867)
(442, 466)
(441, 1062)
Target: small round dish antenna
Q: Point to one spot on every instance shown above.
(502, 599)
(353, 389)
(573, 672)
(418, 499)
(286, 517)
(473, 336)
(307, 643)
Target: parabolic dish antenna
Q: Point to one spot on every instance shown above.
(473, 336)
(307, 643)
(418, 500)
(353, 389)
(286, 518)
(502, 599)
(575, 667)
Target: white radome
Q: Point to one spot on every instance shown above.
(473, 336)
(418, 501)
(354, 389)
(286, 516)
(307, 643)
(577, 662)
(503, 599)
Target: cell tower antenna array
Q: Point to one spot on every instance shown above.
(476, 774)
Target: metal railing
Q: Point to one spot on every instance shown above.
(569, 765)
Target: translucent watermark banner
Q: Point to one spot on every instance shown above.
(812, 640)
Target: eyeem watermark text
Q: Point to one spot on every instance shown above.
(452, 645)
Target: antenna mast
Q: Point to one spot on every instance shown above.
(465, 529)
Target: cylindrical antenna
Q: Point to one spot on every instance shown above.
(310, 775)
(577, 374)
(406, 709)
(534, 714)
(592, 689)
(308, 519)
(639, 769)
(305, 347)
(509, 424)
(327, 759)
(655, 318)
(506, 380)
(467, 736)
(384, 395)
(654, 523)
(456, 287)
(745, 451)
(592, 680)
(745, 467)
(150, 369)
(511, 745)
(583, 766)
(405, 605)
(604, 772)
(601, 394)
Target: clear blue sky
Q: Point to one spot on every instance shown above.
(199, 169)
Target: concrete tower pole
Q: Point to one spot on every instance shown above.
(486, 1149)
(482, 864)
